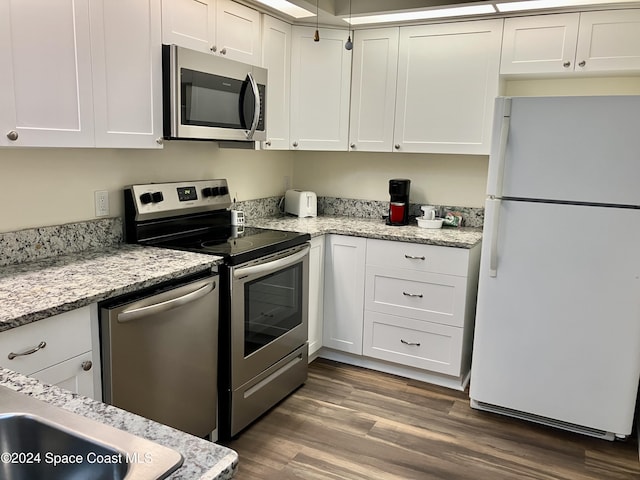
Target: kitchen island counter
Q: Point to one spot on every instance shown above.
(203, 460)
(464, 237)
(35, 290)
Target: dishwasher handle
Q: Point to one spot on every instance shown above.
(155, 308)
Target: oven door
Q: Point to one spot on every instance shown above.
(269, 311)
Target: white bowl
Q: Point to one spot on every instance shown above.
(424, 223)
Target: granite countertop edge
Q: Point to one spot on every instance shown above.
(457, 237)
(203, 460)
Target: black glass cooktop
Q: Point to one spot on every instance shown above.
(237, 244)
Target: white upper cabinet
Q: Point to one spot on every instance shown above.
(599, 41)
(373, 96)
(45, 79)
(609, 41)
(545, 43)
(221, 27)
(127, 73)
(276, 57)
(448, 77)
(320, 85)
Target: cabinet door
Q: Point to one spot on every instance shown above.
(316, 293)
(373, 99)
(238, 32)
(344, 293)
(539, 44)
(320, 83)
(276, 57)
(45, 84)
(189, 23)
(609, 41)
(127, 73)
(75, 374)
(447, 83)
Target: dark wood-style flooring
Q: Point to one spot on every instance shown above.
(352, 423)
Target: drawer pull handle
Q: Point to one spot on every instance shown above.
(413, 257)
(40, 346)
(412, 344)
(419, 295)
(86, 365)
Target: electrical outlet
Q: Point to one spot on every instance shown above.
(102, 203)
(287, 183)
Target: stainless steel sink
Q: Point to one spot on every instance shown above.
(40, 441)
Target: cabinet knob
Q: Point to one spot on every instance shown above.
(268, 143)
(159, 140)
(582, 63)
(86, 365)
(295, 144)
(223, 51)
(353, 145)
(12, 135)
(397, 146)
(214, 49)
(566, 64)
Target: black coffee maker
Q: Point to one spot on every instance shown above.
(399, 201)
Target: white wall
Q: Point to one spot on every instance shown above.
(47, 186)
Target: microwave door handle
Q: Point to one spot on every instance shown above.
(256, 107)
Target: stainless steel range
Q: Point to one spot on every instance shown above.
(264, 281)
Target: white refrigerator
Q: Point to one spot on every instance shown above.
(557, 335)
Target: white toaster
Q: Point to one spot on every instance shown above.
(302, 204)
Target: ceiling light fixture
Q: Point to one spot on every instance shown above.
(544, 4)
(287, 8)
(423, 14)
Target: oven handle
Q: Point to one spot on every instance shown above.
(271, 266)
(155, 308)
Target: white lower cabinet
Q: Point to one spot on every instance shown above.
(420, 306)
(75, 375)
(414, 343)
(61, 350)
(344, 293)
(401, 307)
(316, 295)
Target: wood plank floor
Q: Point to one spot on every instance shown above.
(352, 423)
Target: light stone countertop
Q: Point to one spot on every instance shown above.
(203, 460)
(464, 237)
(36, 290)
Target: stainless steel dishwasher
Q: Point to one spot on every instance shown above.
(160, 354)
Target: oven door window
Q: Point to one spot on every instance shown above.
(273, 306)
(214, 101)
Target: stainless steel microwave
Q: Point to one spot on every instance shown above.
(206, 97)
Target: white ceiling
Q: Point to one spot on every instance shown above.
(332, 12)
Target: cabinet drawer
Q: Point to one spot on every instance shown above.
(413, 343)
(414, 256)
(66, 335)
(420, 295)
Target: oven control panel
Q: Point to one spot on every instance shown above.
(156, 200)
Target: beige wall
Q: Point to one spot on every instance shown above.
(440, 179)
(51, 186)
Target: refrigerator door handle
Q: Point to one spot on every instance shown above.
(493, 246)
(499, 147)
(504, 138)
